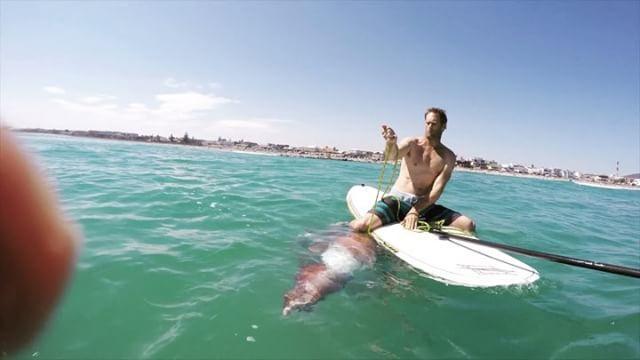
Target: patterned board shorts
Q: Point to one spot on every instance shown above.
(394, 207)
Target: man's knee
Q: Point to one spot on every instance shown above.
(464, 223)
(365, 224)
(358, 225)
(471, 227)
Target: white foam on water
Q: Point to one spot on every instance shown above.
(339, 259)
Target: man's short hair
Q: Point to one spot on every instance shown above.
(441, 114)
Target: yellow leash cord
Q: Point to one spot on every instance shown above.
(381, 180)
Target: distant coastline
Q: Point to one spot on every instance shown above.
(504, 173)
(475, 165)
(241, 146)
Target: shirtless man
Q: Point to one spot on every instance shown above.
(425, 170)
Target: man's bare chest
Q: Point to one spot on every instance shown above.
(425, 161)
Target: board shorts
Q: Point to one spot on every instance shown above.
(396, 205)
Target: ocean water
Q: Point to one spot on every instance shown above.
(188, 252)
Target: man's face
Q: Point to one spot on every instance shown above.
(433, 125)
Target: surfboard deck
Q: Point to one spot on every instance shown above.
(448, 260)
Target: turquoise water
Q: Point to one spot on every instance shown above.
(188, 252)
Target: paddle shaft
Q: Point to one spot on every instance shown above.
(609, 268)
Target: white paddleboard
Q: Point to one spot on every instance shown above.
(448, 260)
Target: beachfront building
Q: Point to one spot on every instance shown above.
(597, 178)
(377, 156)
(519, 169)
(494, 166)
(617, 179)
(306, 149)
(358, 153)
(245, 144)
(277, 147)
(463, 163)
(222, 142)
(479, 163)
(538, 171)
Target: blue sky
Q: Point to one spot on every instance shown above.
(554, 84)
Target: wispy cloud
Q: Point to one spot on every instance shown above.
(168, 112)
(173, 83)
(97, 99)
(85, 107)
(167, 107)
(242, 124)
(137, 107)
(54, 90)
(187, 103)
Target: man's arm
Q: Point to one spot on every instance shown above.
(394, 150)
(437, 189)
(411, 220)
(398, 151)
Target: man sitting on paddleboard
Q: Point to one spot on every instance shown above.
(425, 170)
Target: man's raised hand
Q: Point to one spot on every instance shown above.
(389, 135)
